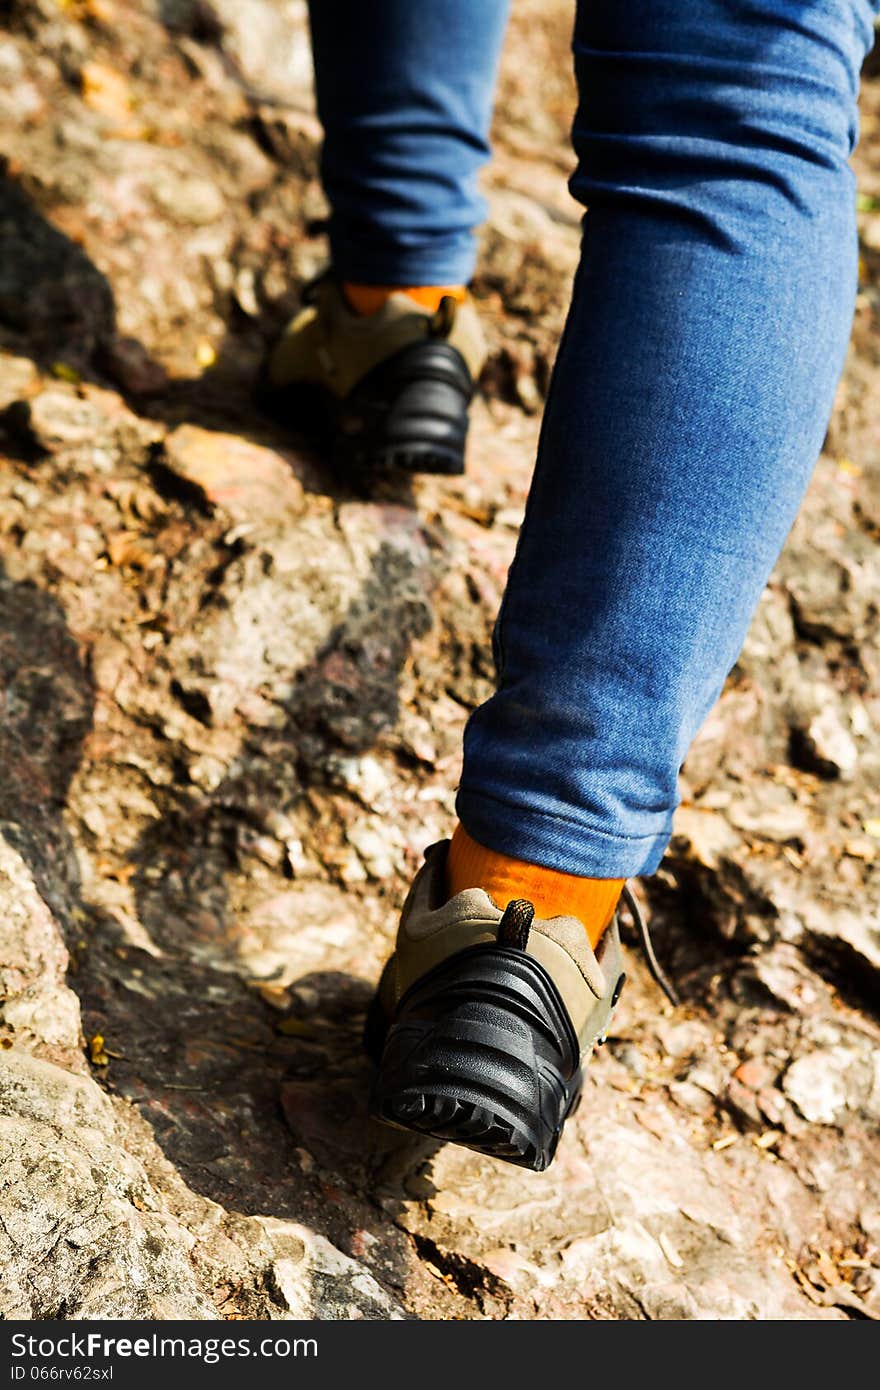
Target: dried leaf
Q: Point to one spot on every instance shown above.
(127, 550)
(767, 1139)
(725, 1142)
(64, 372)
(106, 91)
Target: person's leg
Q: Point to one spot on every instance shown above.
(386, 351)
(688, 404)
(694, 381)
(405, 90)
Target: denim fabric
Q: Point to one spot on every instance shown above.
(693, 385)
(405, 92)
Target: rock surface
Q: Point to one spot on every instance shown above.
(231, 704)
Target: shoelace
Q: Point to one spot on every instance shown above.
(647, 945)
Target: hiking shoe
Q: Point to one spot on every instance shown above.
(483, 1019)
(387, 391)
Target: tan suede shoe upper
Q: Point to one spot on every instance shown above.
(327, 344)
(432, 929)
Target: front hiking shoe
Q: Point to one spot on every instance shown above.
(483, 1020)
(385, 392)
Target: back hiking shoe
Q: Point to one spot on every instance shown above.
(483, 1019)
(387, 391)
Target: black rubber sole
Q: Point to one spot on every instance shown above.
(408, 415)
(480, 1052)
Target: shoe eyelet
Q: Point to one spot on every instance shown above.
(617, 988)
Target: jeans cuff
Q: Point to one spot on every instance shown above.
(557, 843)
(450, 262)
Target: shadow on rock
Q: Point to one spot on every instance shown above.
(238, 1091)
(58, 308)
(46, 708)
(260, 1109)
(262, 1106)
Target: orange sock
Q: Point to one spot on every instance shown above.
(368, 299)
(553, 894)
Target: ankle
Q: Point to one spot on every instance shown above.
(369, 299)
(551, 892)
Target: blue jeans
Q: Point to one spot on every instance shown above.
(694, 380)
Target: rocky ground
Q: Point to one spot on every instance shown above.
(231, 702)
